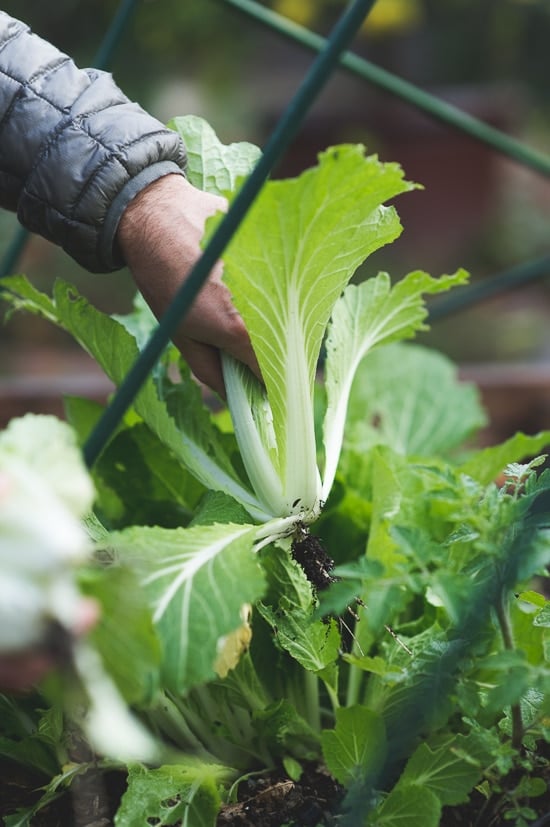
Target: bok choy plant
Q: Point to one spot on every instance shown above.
(288, 270)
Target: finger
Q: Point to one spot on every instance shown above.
(204, 362)
(213, 320)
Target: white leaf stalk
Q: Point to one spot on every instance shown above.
(253, 424)
(301, 475)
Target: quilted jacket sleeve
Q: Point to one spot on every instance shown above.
(73, 149)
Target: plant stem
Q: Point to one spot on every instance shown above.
(333, 697)
(503, 618)
(313, 710)
(170, 719)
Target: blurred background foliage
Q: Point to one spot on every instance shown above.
(459, 41)
(477, 210)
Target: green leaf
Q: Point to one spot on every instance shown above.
(19, 292)
(450, 771)
(140, 322)
(217, 507)
(197, 580)
(212, 166)
(188, 431)
(416, 401)
(378, 666)
(300, 244)
(314, 644)
(28, 737)
(533, 600)
(542, 618)
(407, 807)
(286, 579)
(138, 479)
(386, 503)
(285, 731)
(22, 818)
(293, 768)
(534, 706)
(185, 794)
(185, 428)
(132, 660)
(524, 616)
(509, 687)
(356, 745)
(486, 465)
(367, 315)
(351, 583)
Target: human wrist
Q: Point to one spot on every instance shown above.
(150, 201)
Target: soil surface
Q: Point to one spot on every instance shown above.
(274, 800)
(267, 801)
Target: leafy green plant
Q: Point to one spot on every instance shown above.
(415, 678)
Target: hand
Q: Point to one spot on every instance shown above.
(160, 234)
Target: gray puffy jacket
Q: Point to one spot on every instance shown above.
(73, 149)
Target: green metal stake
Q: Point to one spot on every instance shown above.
(442, 111)
(101, 60)
(281, 137)
(114, 33)
(474, 293)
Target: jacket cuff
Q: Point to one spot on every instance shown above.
(109, 253)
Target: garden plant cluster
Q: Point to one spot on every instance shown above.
(323, 586)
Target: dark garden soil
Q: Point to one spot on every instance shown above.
(267, 801)
(311, 555)
(92, 801)
(274, 800)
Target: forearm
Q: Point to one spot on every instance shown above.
(74, 151)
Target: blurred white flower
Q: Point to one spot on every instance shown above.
(38, 533)
(48, 446)
(44, 491)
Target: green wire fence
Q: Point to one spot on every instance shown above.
(331, 53)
